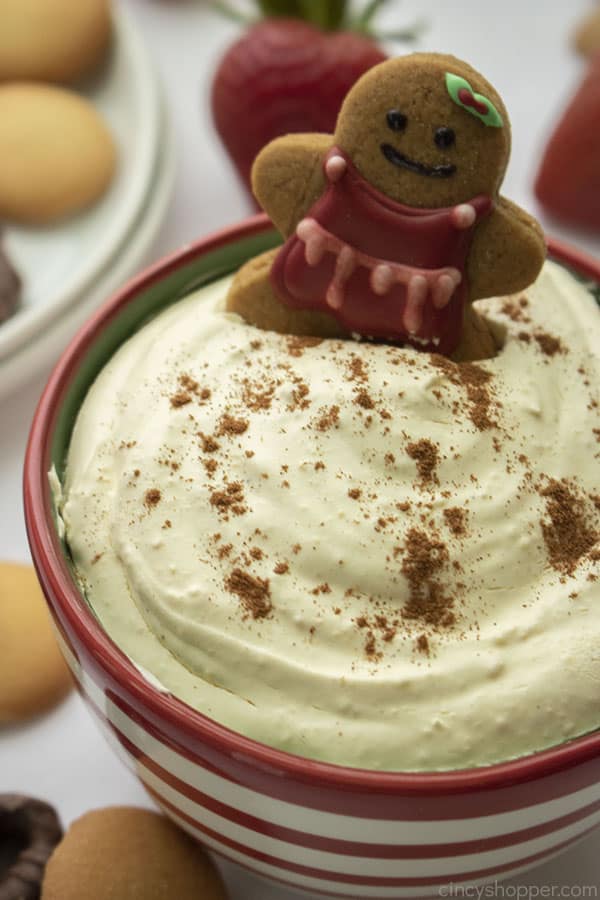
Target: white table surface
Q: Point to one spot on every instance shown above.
(522, 47)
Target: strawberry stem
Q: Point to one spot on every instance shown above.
(363, 24)
(280, 8)
(329, 16)
(365, 19)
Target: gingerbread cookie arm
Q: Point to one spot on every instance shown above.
(287, 177)
(507, 252)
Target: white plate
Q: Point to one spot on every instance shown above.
(57, 263)
(34, 356)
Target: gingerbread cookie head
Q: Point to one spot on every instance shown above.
(427, 130)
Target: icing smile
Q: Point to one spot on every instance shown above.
(398, 159)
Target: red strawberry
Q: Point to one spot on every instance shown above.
(568, 182)
(284, 76)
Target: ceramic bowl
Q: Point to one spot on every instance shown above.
(324, 829)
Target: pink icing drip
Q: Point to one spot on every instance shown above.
(415, 300)
(463, 216)
(382, 278)
(344, 267)
(335, 168)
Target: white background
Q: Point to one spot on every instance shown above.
(522, 48)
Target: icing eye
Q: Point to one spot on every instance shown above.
(396, 120)
(444, 137)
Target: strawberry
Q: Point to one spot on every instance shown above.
(287, 75)
(568, 181)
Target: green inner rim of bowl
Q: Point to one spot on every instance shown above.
(156, 297)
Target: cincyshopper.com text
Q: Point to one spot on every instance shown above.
(496, 890)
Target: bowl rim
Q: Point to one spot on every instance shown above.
(62, 592)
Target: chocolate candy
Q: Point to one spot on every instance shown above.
(29, 831)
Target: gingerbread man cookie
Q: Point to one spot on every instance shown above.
(394, 225)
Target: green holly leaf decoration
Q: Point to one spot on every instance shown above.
(463, 95)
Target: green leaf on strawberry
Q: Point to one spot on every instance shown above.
(280, 7)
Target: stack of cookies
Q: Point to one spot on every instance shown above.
(57, 156)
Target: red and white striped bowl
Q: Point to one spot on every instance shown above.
(324, 829)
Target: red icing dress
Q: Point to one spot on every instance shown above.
(384, 270)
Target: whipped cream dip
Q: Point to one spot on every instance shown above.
(350, 551)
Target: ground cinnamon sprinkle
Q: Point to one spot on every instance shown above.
(354, 493)
(321, 589)
(300, 397)
(230, 426)
(424, 559)
(181, 398)
(282, 568)
(229, 500)
(329, 418)
(422, 644)
(190, 384)
(371, 647)
(456, 520)
(426, 455)
(357, 370)
(211, 466)
(152, 497)
(514, 310)
(548, 344)
(208, 443)
(258, 397)
(254, 593)
(568, 535)
(476, 382)
(297, 344)
(364, 400)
